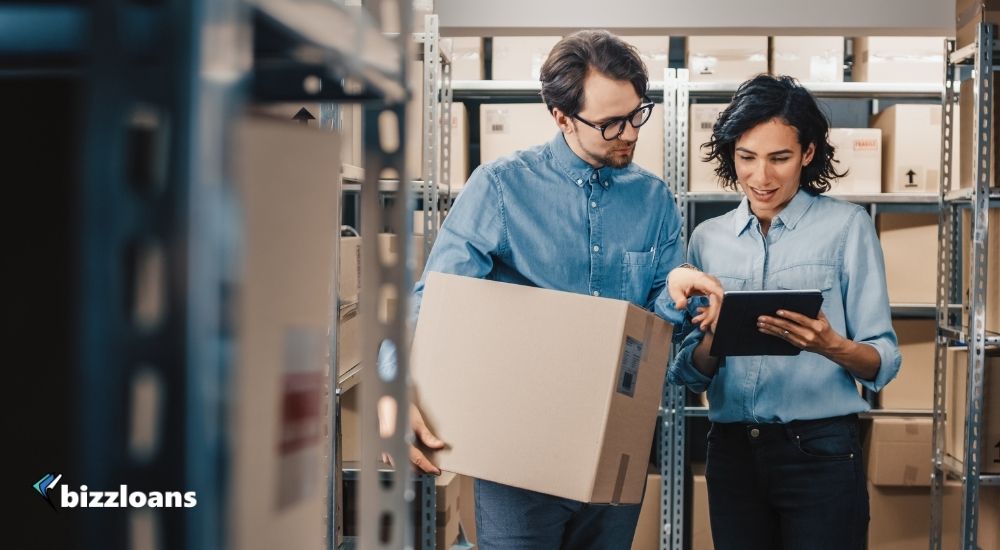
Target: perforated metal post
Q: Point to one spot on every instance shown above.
(385, 520)
(946, 293)
(977, 283)
(432, 130)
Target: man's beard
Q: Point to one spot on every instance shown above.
(611, 159)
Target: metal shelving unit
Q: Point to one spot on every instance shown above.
(979, 199)
(385, 195)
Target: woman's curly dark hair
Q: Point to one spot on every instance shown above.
(759, 100)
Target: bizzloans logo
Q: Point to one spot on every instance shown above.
(122, 498)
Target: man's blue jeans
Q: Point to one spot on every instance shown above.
(790, 486)
(508, 518)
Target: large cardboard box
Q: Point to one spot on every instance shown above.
(912, 277)
(899, 452)
(466, 58)
(654, 51)
(448, 487)
(726, 58)
(956, 408)
(859, 152)
(911, 148)
(701, 526)
(809, 58)
(968, 15)
(506, 128)
(650, 524)
(967, 129)
(992, 269)
(560, 396)
(701, 175)
(899, 59)
(913, 387)
(521, 57)
(287, 179)
(901, 517)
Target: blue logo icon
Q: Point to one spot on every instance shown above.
(43, 485)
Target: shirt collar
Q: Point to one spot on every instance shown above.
(578, 171)
(789, 216)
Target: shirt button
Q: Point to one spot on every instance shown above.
(579, 182)
(593, 204)
(597, 248)
(754, 432)
(593, 176)
(596, 293)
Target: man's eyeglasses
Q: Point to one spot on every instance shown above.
(613, 129)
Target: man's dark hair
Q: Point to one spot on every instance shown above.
(574, 56)
(759, 100)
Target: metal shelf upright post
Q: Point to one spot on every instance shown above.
(979, 199)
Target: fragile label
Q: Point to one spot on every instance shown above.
(628, 372)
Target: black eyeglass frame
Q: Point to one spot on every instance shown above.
(646, 104)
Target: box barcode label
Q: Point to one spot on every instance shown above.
(629, 368)
(496, 121)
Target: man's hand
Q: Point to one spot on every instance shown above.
(685, 282)
(424, 437)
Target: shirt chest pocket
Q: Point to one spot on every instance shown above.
(806, 277)
(637, 276)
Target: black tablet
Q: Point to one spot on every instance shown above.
(736, 333)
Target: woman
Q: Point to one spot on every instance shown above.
(784, 465)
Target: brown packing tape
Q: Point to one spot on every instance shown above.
(912, 429)
(647, 332)
(909, 475)
(616, 496)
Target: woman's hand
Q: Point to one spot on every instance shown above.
(813, 335)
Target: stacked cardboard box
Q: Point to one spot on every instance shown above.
(809, 58)
(649, 528)
(859, 153)
(913, 387)
(287, 178)
(911, 148)
(466, 58)
(654, 51)
(726, 58)
(521, 57)
(448, 487)
(912, 278)
(579, 404)
(956, 408)
(898, 59)
(899, 452)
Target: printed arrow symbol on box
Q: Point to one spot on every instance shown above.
(910, 175)
(303, 116)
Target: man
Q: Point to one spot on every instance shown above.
(576, 215)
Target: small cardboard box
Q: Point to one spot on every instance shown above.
(911, 148)
(956, 408)
(726, 58)
(899, 452)
(466, 58)
(560, 396)
(809, 58)
(899, 59)
(992, 303)
(521, 57)
(859, 152)
(901, 517)
(913, 387)
(912, 278)
(701, 175)
(287, 177)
